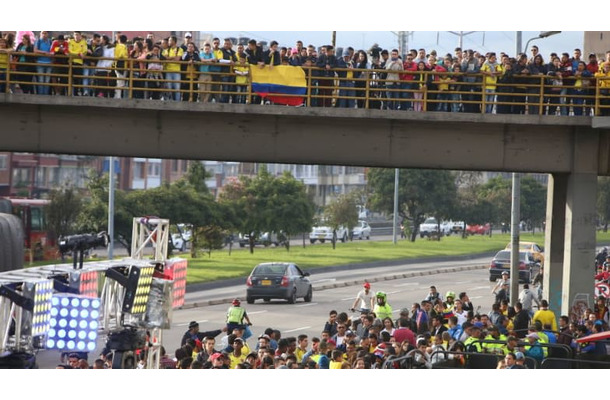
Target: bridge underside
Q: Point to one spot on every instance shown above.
(574, 150)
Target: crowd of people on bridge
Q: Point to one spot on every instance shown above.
(162, 68)
(440, 329)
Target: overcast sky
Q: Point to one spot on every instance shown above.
(442, 41)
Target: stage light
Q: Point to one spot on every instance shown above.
(175, 270)
(73, 323)
(137, 280)
(41, 292)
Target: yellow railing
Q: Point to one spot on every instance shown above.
(366, 88)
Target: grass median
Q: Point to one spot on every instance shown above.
(221, 265)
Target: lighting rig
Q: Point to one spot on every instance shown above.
(61, 307)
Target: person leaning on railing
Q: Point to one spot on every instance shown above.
(581, 85)
(4, 64)
(603, 79)
(42, 47)
(24, 62)
(59, 49)
(104, 67)
(154, 72)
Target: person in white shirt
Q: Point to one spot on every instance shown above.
(365, 298)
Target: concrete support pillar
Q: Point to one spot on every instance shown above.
(554, 239)
(578, 267)
(580, 241)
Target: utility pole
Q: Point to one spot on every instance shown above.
(111, 208)
(461, 35)
(514, 239)
(394, 235)
(518, 42)
(334, 39)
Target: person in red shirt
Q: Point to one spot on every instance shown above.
(59, 48)
(403, 332)
(407, 81)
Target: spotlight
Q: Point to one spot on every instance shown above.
(174, 270)
(34, 297)
(137, 281)
(74, 323)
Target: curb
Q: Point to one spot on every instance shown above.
(214, 302)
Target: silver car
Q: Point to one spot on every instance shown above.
(278, 280)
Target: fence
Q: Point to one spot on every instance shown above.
(207, 81)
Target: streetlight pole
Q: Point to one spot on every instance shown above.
(394, 237)
(514, 239)
(111, 208)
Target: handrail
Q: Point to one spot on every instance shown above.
(415, 90)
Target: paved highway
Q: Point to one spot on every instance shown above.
(404, 284)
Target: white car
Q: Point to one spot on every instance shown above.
(362, 231)
(430, 226)
(324, 233)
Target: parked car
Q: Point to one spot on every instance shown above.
(532, 247)
(431, 226)
(528, 267)
(278, 280)
(262, 239)
(362, 231)
(478, 229)
(181, 239)
(324, 233)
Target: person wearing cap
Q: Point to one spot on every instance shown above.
(218, 361)
(236, 315)
(500, 282)
(472, 342)
(188, 38)
(365, 299)
(345, 64)
(194, 333)
(534, 350)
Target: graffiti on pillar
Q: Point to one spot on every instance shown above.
(579, 307)
(602, 289)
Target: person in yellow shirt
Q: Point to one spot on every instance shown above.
(491, 69)
(545, 316)
(603, 79)
(336, 359)
(172, 70)
(242, 70)
(77, 49)
(121, 55)
(4, 63)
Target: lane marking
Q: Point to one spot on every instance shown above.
(257, 312)
(298, 329)
(479, 288)
(407, 284)
(307, 305)
(475, 297)
(325, 280)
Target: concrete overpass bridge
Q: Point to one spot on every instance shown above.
(573, 150)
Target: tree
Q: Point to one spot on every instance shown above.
(268, 204)
(420, 193)
(497, 193)
(342, 212)
(533, 202)
(63, 210)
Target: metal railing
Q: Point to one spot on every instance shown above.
(206, 81)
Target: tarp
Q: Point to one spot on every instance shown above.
(594, 337)
(272, 83)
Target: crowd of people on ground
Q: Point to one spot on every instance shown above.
(420, 80)
(444, 330)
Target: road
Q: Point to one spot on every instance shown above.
(404, 284)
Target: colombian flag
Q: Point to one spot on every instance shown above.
(272, 84)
